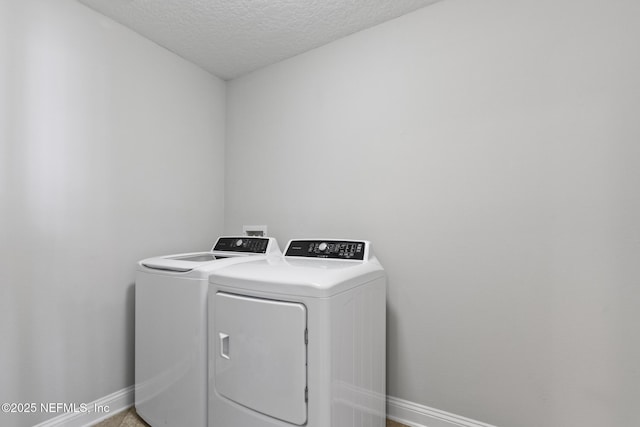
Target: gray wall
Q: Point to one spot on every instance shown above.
(111, 150)
(490, 150)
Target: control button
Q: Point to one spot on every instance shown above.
(239, 242)
(322, 246)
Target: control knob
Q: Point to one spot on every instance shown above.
(239, 242)
(322, 246)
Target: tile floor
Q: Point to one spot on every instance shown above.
(129, 418)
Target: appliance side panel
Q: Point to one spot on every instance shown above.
(170, 353)
(358, 373)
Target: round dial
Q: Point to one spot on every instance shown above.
(322, 246)
(239, 242)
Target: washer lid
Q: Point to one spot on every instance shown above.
(182, 262)
(225, 247)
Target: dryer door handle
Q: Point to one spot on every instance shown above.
(224, 345)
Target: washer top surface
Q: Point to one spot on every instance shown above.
(226, 251)
(310, 267)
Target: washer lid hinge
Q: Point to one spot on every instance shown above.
(306, 394)
(306, 336)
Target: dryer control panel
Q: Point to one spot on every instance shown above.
(340, 249)
(242, 244)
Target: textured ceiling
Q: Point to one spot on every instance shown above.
(230, 38)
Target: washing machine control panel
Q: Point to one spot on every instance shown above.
(242, 244)
(340, 249)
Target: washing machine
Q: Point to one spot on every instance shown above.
(299, 340)
(171, 329)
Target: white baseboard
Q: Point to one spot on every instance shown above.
(415, 415)
(402, 411)
(96, 411)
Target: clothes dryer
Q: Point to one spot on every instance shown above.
(171, 329)
(299, 339)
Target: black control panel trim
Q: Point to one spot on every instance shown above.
(242, 244)
(334, 249)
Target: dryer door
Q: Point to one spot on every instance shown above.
(261, 355)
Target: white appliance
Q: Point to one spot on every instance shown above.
(171, 329)
(299, 339)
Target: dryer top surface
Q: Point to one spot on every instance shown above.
(301, 277)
